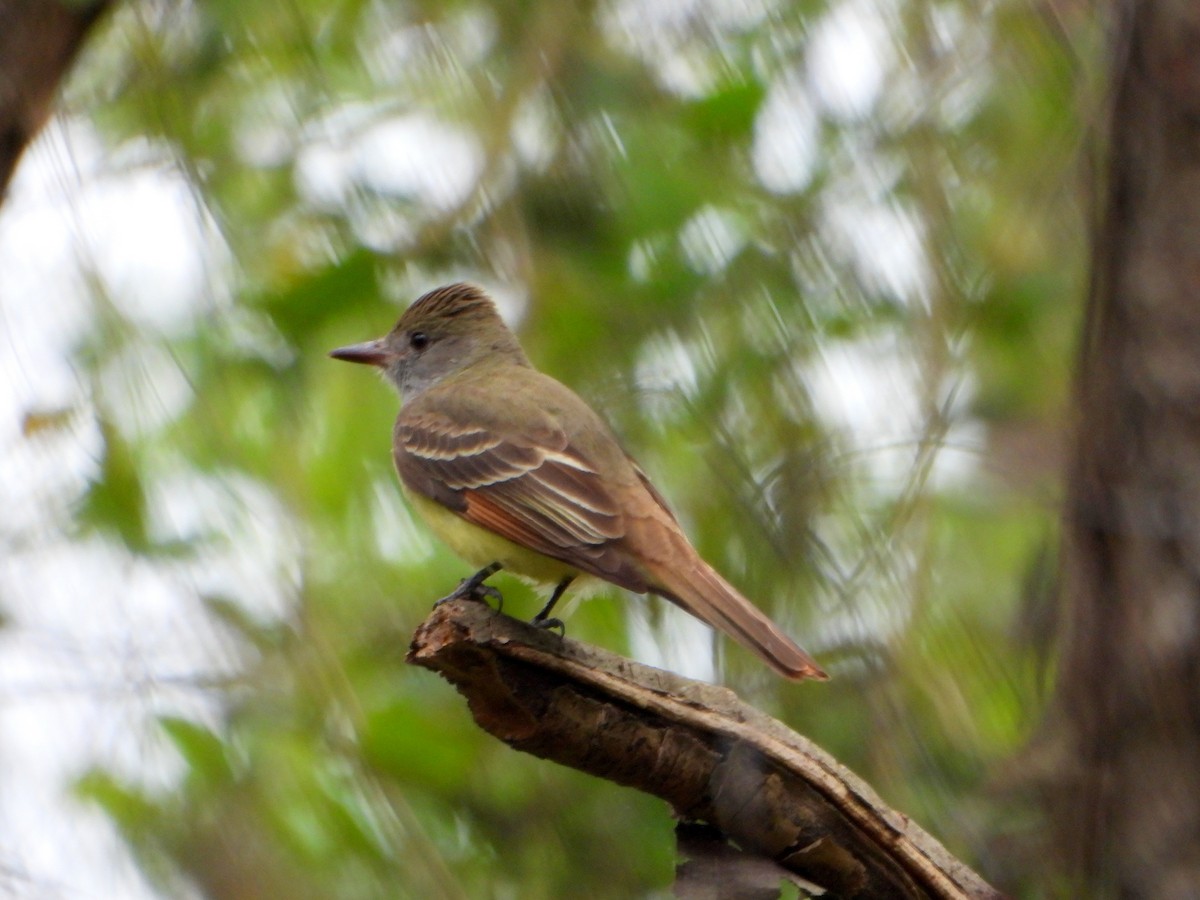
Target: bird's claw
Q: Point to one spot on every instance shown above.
(550, 625)
(469, 589)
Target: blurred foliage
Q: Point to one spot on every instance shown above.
(820, 263)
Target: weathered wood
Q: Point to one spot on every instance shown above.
(697, 746)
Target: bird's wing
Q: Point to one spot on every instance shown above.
(536, 489)
(652, 490)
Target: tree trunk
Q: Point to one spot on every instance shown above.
(38, 43)
(1125, 780)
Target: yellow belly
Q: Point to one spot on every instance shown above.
(481, 547)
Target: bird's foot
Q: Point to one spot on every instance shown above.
(550, 625)
(480, 593)
(473, 588)
(543, 620)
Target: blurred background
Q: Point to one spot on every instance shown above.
(821, 264)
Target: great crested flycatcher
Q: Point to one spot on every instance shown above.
(513, 470)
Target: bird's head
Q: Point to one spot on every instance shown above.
(444, 332)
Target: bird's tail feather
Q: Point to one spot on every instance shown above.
(700, 590)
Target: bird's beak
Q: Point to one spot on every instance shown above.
(373, 353)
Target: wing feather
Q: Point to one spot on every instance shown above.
(537, 491)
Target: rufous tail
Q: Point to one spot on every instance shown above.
(700, 590)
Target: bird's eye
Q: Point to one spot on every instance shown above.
(419, 340)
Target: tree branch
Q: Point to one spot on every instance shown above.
(695, 745)
(38, 42)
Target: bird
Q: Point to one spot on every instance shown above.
(512, 470)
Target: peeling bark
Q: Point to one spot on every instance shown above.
(711, 757)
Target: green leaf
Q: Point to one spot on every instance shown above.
(201, 749)
(418, 746)
(314, 299)
(728, 113)
(115, 501)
